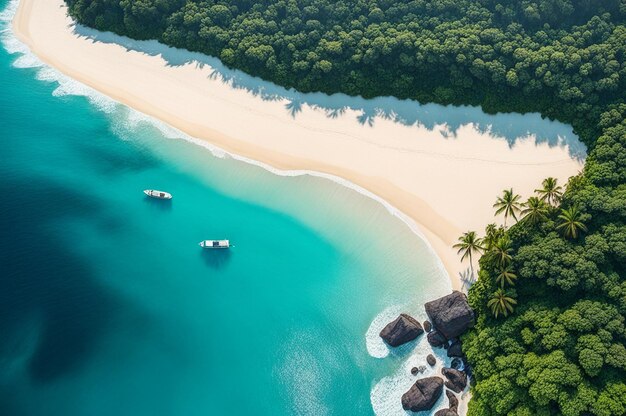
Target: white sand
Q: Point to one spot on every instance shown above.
(446, 186)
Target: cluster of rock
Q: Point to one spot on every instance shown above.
(450, 316)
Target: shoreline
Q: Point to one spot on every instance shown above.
(402, 170)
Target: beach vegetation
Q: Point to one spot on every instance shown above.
(508, 204)
(571, 222)
(550, 191)
(506, 276)
(501, 303)
(469, 244)
(534, 211)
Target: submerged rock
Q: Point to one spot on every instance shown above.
(456, 363)
(436, 339)
(455, 349)
(402, 330)
(418, 370)
(451, 315)
(456, 380)
(423, 394)
(431, 360)
(453, 401)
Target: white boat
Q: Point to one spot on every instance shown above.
(215, 244)
(153, 193)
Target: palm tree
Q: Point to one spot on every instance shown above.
(492, 234)
(468, 244)
(550, 192)
(507, 276)
(535, 210)
(571, 223)
(508, 204)
(501, 303)
(501, 251)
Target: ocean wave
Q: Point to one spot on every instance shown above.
(9, 11)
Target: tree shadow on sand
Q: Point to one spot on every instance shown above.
(447, 119)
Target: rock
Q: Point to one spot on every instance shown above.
(428, 326)
(456, 363)
(423, 394)
(431, 360)
(402, 330)
(451, 315)
(418, 370)
(457, 380)
(446, 412)
(435, 339)
(455, 350)
(454, 402)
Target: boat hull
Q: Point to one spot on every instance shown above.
(215, 244)
(153, 193)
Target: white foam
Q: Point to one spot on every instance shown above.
(7, 14)
(386, 395)
(376, 347)
(27, 61)
(47, 74)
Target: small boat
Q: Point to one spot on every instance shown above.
(153, 193)
(215, 244)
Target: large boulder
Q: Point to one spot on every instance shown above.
(436, 339)
(451, 315)
(455, 350)
(402, 330)
(456, 379)
(431, 360)
(453, 401)
(423, 394)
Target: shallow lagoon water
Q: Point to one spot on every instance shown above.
(108, 306)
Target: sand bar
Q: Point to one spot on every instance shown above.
(445, 185)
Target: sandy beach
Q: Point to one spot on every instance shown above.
(445, 185)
